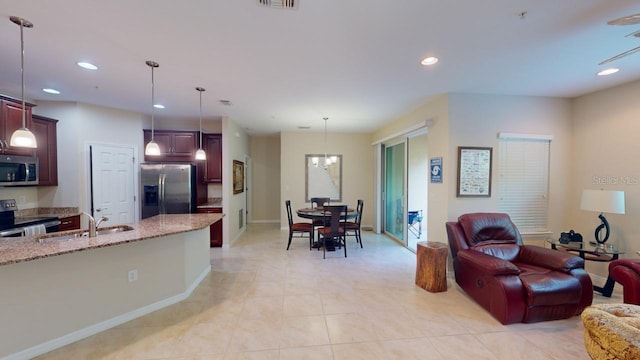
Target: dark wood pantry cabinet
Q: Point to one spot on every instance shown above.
(212, 145)
(47, 152)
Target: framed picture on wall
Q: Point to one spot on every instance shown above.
(474, 171)
(238, 177)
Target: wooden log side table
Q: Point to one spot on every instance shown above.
(431, 266)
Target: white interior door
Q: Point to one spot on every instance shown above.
(112, 183)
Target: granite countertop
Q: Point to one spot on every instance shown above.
(211, 203)
(20, 249)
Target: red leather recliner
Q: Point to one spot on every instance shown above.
(515, 282)
(627, 273)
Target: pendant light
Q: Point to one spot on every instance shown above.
(327, 160)
(200, 154)
(22, 137)
(152, 147)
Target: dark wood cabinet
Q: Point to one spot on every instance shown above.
(10, 121)
(212, 145)
(47, 152)
(179, 146)
(174, 145)
(215, 230)
(69, 223)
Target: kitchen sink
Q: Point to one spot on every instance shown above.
(112, 230)
(83, 234)
(47, 238)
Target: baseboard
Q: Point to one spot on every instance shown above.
(105, 325)
(265, 221)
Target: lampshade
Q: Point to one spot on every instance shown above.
(152, 148)
(603, 201)
(201, 155)
(22, 137)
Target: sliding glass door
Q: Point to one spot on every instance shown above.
(394, 191)
(417, 189)
(406, 174)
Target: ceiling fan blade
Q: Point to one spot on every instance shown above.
(627, 20)
(621, 55)
(634, 34)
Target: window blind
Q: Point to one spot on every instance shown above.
(524, 181)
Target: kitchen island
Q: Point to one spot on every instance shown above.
(55, 293)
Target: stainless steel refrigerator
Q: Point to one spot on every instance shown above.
(167, 189)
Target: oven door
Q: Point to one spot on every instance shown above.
(17, 232)
(50, 226)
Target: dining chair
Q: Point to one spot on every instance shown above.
(317, 202)
(298, 227)
(414, 219)
(335, 229)
(352, 228)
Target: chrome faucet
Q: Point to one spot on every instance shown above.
(93, 224)
(100, 221)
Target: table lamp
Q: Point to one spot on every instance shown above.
(603, 201)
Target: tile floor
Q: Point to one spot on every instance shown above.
(262, 302)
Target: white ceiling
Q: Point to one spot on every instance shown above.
(356, 62)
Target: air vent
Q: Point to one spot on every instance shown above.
(226, 102)
(279, 4)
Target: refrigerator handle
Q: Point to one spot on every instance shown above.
(161, 181)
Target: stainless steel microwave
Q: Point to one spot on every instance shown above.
(18, 170)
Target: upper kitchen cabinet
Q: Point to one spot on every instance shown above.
(47, 152)
(10, 121)
(174, 145)
(212, 144)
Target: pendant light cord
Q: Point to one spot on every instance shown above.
(200, 90)
(24, 119)
(152, 101)
(325, 141)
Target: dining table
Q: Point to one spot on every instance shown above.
(318, 213)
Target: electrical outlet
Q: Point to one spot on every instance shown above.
(133, 275)
(22, 200)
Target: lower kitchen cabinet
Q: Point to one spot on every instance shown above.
(69, 223)
(215, 230)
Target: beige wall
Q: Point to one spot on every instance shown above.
(606, 147)
(79, 124)
(476, 120)
(265, 184)
(235, 146)
(357, 168)
(435, 113)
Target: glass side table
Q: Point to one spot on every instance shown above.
(591, 252)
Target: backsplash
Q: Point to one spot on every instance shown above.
(61, 211)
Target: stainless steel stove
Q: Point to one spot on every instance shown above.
(12, 226)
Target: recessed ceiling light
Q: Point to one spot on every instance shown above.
(86, 65)
(158, 106)
(51, 91)
(608, 71)
(429, 60)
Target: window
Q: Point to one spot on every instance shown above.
(523, 188)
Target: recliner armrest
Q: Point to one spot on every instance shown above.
(488, 264)
(550, 259)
